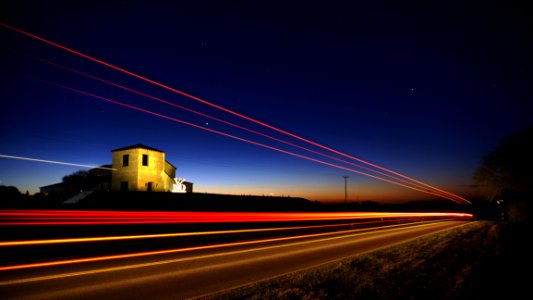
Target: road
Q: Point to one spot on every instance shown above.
(202, 271)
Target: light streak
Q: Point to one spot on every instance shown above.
(87, 217)
(455, 197)
(167, 235)
(55, 162)
(249, 141)
(350, 233)
(228, 123)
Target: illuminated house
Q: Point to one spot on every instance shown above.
(142, 168)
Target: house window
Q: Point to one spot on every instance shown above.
(125, 160)
(145, 159)
(123, 185)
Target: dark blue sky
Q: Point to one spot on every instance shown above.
(421, 88)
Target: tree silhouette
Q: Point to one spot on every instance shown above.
(78, 180)
(506, 175)
(509, 166)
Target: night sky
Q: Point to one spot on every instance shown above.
(421, 88)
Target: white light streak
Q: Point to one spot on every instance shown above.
(55, 162)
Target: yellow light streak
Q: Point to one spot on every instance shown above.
(165, 235)
(127, 267)
(351, 233)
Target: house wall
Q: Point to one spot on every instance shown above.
(136, 174)
(168, 176)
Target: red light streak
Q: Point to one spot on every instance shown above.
(55, 162)
(86, 217)
(250, 141)
(439, 192)
(228, 123)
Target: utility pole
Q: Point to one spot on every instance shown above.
(345, 188)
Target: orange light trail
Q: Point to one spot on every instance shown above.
(438, 192)
(188, 249)
(167, 235)
(87, 217)
(55, 162)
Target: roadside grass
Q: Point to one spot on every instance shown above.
(474, 261)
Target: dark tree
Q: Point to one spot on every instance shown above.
(10, 197)
(87, 180)
(78, 180)
(506, 173)
(9, 192)
(510, 165)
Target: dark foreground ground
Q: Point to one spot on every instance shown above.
(482, 260)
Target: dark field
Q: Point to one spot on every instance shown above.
(482, 260)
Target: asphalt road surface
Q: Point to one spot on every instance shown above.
(203, 271)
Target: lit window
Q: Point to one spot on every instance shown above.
(145, 160)
(125, 160)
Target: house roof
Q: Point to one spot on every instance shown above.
(171, 164)
(137, 146)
